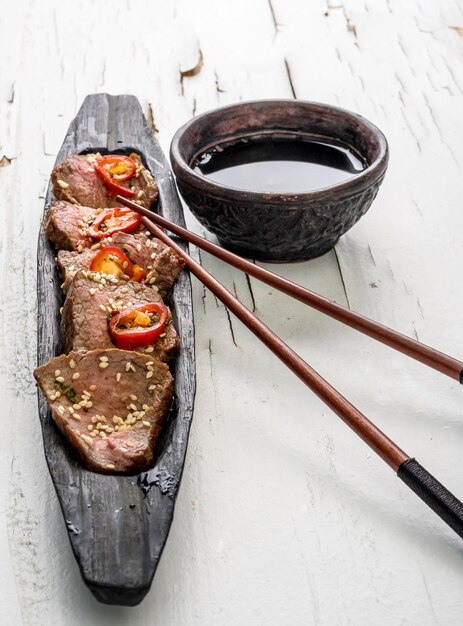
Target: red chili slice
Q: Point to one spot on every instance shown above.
(114, 169)
(111, 221)
(135, 328)
(112, 260)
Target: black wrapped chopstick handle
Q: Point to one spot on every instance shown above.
(436, 496)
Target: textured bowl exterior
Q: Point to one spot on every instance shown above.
(279, 227)
(266, 232)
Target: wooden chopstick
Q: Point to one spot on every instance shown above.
(425, 354)
(435, 495)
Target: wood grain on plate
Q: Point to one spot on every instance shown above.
(118, 525)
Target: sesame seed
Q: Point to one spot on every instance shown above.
(90, 427)
(103, 365)
(79, 248)
(149, 374)
(57, 373)
(132, 367)
(139, 247)
(124, 290)
(92, 291)
(72, 364)
(110, 466)
(62, 184)
(102, 307)
(151, 281)
(76, 416)
(92, 387)
(145, 423)
(162, 335)
(153, 255)
(147, 243)
(104, 358)
(87, 440)
(145, 407)
(76, 406)
(118, 376)
(89, 404)
(127, 366)
(149, 349)
(132, 397)
(156, 288)
(133, 406)
(151, 387)
(61, 409)
(59, 379)
(94, 433)
(75, 376)
(71, 410)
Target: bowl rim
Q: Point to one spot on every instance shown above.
(362, 180)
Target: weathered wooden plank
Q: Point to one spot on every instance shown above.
(342, 556)
(118, 525)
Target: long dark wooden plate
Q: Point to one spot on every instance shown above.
(118, 525)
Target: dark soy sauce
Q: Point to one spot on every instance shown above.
(278, 163)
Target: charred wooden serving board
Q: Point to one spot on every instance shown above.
(118, 525)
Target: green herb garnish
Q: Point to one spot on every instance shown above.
(69, 392)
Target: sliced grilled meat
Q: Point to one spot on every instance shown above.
(161, 263)
(109, 404)
(66, 223)
(88, 304)
(76, 181)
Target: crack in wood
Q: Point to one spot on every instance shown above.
(248, 280)
(230, 323)
(276, 25)
(150, 119)
(217, 84)
(342, 277)
(290, 78)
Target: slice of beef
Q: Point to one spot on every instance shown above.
(66, 225)
(161, 263)
(88, 304)
(76, 181)
(109, 404)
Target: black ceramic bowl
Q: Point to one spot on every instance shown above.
(279, 226)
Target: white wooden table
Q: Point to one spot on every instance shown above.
(283, 517)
